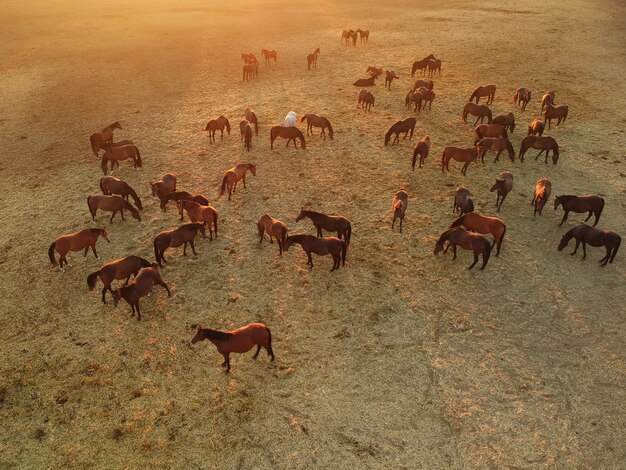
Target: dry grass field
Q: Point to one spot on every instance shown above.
(402, 359)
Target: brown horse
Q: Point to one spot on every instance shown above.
(290, 133)
(488, 91)
(415, 98)
(313, 120)
(555, 112)
(398, 207)
(522, 95)
(182, 196)
(345, 36)
(240, 340)
(117, 154)
(366, 81)
(495, 144)
(481, 112)
(483, 224)
(505, 120)
(585, 234)
(250, 116)
(216, 124)
(110, 185)
(421, 65)
(374, 71)
(250, 70)
(390, 75)
(547, 99)
(543, 188)
(545, 144)
(503, 185)
(320, 246)
(330, 223)
(475, 242)
(112, 204)
(140, 287)
(366, 101)
(588, 203)
(353, 37)
(428, 96)
(248, 58)
(182, 235)
(422, 147)
(105, 135)
(311, 59)
(463, 202)
(166, 185)
(116, 271)
(363, 35)
(423, 83)
(489, 130)
(267, 55)
(434, 66)
(246, 133)
(466, 156)
(536, 127)
(199, 213)
(274, 229)
(234, 175)
(75, 242)
(406, 125)
(120, 143)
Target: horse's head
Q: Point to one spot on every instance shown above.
(199, 336)
(288, 242)
(135, 214)
(331, 133)
(116, 125)
(555, 155)
(563, 243)
(153, 187)
(105, 234)
(252, 168)
(439, 245)
(301, 215)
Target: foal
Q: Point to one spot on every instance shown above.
(75, 242)
(330, 223)
(140, 287)
(182, 235)
(116, 271)
(234, 175)
(274, 229)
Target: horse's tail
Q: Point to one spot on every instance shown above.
(135, 197)
(223, 188)
(464, 114)
(348, 234)
(138, 158)
(104, 191)
(215, 222)
(601, 207)
(487, 254)
(51, 253)
(156, 251)
(502, 236)
(95, 145)
(92, 279)
(270, 352)
(344, 251)
(303, 118)
(443, 159)
(469, 207)
(619, 242)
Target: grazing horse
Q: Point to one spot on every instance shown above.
(422, 147)
(311, 59)
(466, 156)
(536, 127)
(547, 99)
(458, 236)
(110, 185)
(434, 66)
(166, 185)
(489, 130)
(183, 196)
(117, 270)
(463, 202)
(250, 70)
(105, 135)
(406, 125)
(75, 242)
(366, 81)
(330, 223)
(545, 144)
(269, 55)
(503, 185)
(363, 35)
(289, 133)
(116, 154)
(112, 204)
(505, 120)
(240, 340)
(199, 213)
(320, 246)
(140, 287)
(216, 124)
(390, 75)
(250, 116)
(366, 101)
(234, 175)
(423, 83)
(246, 133)
(374, 71)
(588, 203)
(522, 95)
(313, 120)
(495, 144)
(483, 224)
(182, 235)
(488, 91)
(543, 188)
(398, 207)
(481, 112)
(428, 96)
(421, 65)
(585, 234)
(555, 112)
(274, 229)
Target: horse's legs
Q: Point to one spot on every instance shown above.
(319, 232)
(127, 279)
(310, 259)
(138, 311)
(453, 250)
(113, 215)
(589, 216)
(93, 248)
(540, 154)
(564, 217)
(584, 249)
(497, 156)
(193, 248)
(258, 348)
(464, 169)
(597, 218)
(86, 248)
(122, 213)
(475, 261)
(185, 249)
(476, 122)
(104, 291)
(393, 222)
(167, 289)
(227, 362)
(244, 182)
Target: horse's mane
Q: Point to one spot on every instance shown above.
(327, 122)
(215, 334)
(129, 206)
(97, 231)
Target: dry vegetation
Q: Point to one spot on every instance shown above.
(400, 360)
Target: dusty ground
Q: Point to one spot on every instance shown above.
(400, 360)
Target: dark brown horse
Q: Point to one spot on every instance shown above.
(240, 340)
(545, 144)
(234, 175)
(555, 112)
(522, 96)
(112, 204)
(246, 133)
(547, 99)
(415, 98)
(466, 156)
(483, 224)
(116, 271)
(390, 75)
(183, 196)
(366, 101)
(274, 229)
(421, 65)
(363, 35)
(434, 66)
(503, 185)
(140, 287)
(407, 126)
(75, 242)
(217, 124)
(585, 234)
(481, 112)
(505, 120)
(110, 185)
(536, 127)
(330, 223)
(463, 202)
(313, 120)
(458, 236)
(267, 55)
(399, 204)
(117, 154)
(428, 96)
(320, 246)
(366, 81)
(105, 135)
(543, 188)
(290, 133)
(162, 188)
(422, 147)
(250, 116)
(205, 214)
(588, 203)
(311, 59)
(495, 144)
(423, 83)
(251, 70)
(487, 91)
(182, 235)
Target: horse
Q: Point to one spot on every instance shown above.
(522, 95)
(290, 119)
(269, 55)
(166, 185)
(120, 143)
(463, 202)
(250, 116)
(423, 83)
(311, 59)
(406, 125)
(434, 65)
(273, 228)
(428, 96)
(505, 120)
(182, 235)
(330, 223)
(140, 287)
(289, 133)
(545, 144)
(117, 270)
(366, 81)
(585, 234)
(116, 154)
(483, 224)
(558, 112)
(495, 144)
(588, 203)
(398, 207)
(390, 75)
(543, 188)
(458, 236)
(536, 127)
(421, 65)
(248, 58)
(246, 133)
(240, 340)
(503, 185)
(320, 246)
(105, 135)
(110, 185)
(363, 35)
(183, 196)
(353, 37)
(422, 147)
(112, 204)
(234, 175)
(488, 91)
(480, 110)
(489, 130)
(216, 124)
(366, 101)
(75, 242)
(374, 71)
(250, 70)
(205, 214)
(466, 156)
(345, 35)
(547, 99)
(313, 120)
(415, 98)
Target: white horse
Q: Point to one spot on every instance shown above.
(290, 119)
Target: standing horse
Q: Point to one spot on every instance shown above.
(289, 133)
(495, 144)
(427, 95)
(250, 116)
(555, 112)
(251, 70)
(363, 35)
(503, 185)
(422, 147)
(545, 144)
(216, 124)
(320, 246)
(463, 202)
(366, 101)
(274, 229)
(390, 75)
(547, 99)
(116, 271)
(458, 236)
(112, 204)
(585, 234)
(246, 133)
(199, 213)
(543, 188)
(140, 287)
(110, 185)
(483, 224)
(234, 175)
(313, 120)
(163, 187)
(415, 98)
(105, 135)
(345, 36)
(505, 120)
(398, 207)
(434, 66)
(406, 125)
(269, 55)
(489, 130)
(488, 91)
(311, 59)
(481, 112)
(182, 196)
(240, 340)
(353, 37)
(182, 235)
(421, 65)
(536, 127)
(75, 242)
(116, 154)
(330, 223)
(522, 95)
(466, 156)
(588, 203)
